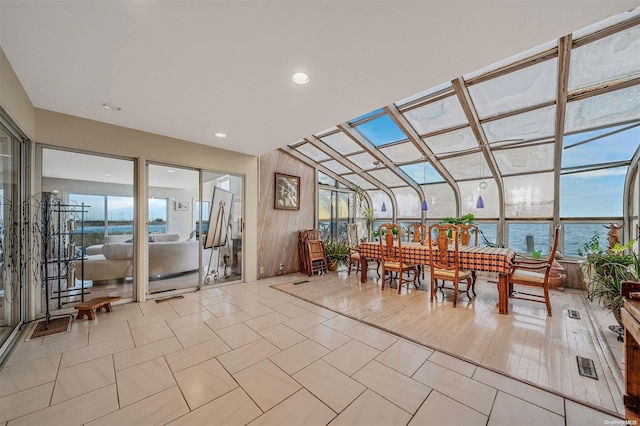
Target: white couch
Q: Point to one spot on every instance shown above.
(114, 260)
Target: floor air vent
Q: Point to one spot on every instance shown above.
(574, 314)
(301, 282)
(586, 367)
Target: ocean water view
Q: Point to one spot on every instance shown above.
(522, 237)
(119, 229)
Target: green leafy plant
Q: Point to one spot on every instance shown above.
(363, 210)
(467, 219)
(536, 254)
(592, 246)
(607, 271)
(337, 252)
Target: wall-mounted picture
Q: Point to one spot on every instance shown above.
(287, 196)
(181, 205)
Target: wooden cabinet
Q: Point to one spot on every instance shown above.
(631, 322)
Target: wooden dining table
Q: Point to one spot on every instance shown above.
(474, 258)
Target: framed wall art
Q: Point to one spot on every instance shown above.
(287, 192)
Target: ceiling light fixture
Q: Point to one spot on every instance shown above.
(220, 135)
(169, 171)
(111, 107)
(300, 78)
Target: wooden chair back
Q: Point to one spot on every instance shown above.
(416, 232)
(352, 235)
(390, 242)
(468, 233)
(440, 259)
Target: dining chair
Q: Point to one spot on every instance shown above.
(534, 273)
(352, 243)
(391, 255)
(446, 268)
(317, 257)
(468, 233)
(417, 233)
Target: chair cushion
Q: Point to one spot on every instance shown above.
(396, 265)
(447, 274)
(355, 256)
(528, 276)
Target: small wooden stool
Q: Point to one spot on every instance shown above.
(86, 308)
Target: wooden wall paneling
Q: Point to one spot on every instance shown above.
(278, 229)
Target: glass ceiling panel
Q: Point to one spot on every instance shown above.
(611, 58)
(341, 143)
(441, 200)
(469, 192)
(336, 167)
(439, 88)
(359, 181)
(529, 196)
(325, 180)
(367, 115)
(526, 87)
(512, 60)
(422, 172)
(607, 109)
(457, 140)
(617, 147)
(596, 193)
(409, 205)
(530, 125)
(381, 131)
(364, 160)
(312, 152)
(467, 166)
(377, 198)
(402, 153)
(606, 23)
(435, 116)
(525, 159)
(387, 177)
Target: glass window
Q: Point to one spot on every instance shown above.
(596, 193)
(469, 193)
(608, 148)
(367, 115)
(378, 199)
(422, 172)
(387, 177)
(533, 85)
(312, 152)
(94, 229)
(325, 212)
(488, 234)
(529, 195)
(381, 131)
(608, 59)
(442, 114)
(603, 110)
(360, 181)
(325, 180)
(120, 211)
(336, 167)
(531, 125)
(454, 141)
(441, 201)
(342, 143)
(364, 160)
(576, 235)
(525, 237)
(525, 159)
(158, 215)
(402, 153)
(468, 166)
(408, 202)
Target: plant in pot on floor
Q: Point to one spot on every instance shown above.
(337, 253)
(607, 270)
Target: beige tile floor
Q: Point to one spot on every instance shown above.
(249, 354)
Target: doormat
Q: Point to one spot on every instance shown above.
(166, 299)
(55, 326)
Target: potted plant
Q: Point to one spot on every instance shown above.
(467, 219)
(337, 253)
(607, 270)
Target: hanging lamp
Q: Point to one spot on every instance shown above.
(424, 206)
(384, 207)
(482, 185)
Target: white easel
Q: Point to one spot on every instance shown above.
(217, 231)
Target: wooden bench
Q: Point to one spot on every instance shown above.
(87, 308)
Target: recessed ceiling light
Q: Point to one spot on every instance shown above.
(300, 78)
(107, 174)
(220, 135)
(111, 107)
(169, 171)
